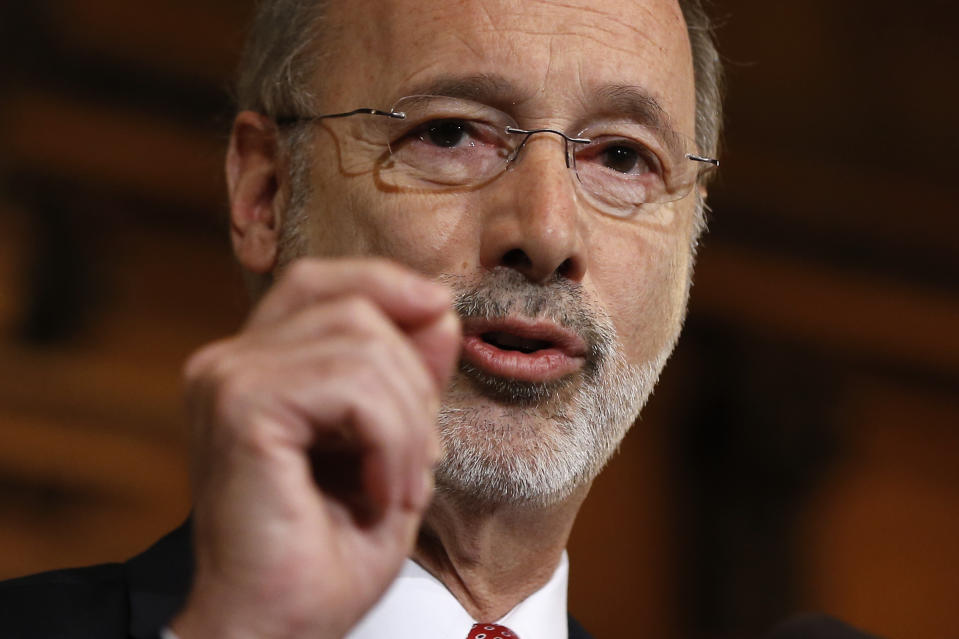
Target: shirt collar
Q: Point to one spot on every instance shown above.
(418, 601)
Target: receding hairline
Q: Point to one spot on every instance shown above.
(292, 40)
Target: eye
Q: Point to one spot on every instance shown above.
(446, 134)
(621, 159)
(626, 157)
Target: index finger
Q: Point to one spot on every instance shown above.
(405, 296)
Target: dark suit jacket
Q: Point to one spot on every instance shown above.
(133, 600)
(113, 601)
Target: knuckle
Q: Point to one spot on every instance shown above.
(374, 353)
(380, 428)
(361, 315)
(229, 389)
(234, 387)
(302, 274)
(387, 356)
(204, 369)
(385, 268)
(197, 365)
(302, 270)
(385, 272)
(251, 438)
(360, 378)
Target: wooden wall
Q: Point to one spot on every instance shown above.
(801, 451)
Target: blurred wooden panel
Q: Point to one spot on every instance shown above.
(622, 549)
(12, 249)
(887, 213)
(92, 457)
(98, 494)
(93, 433)
(881, 535)
(92, 387)
(56, 136)
(844, 311)
(193, 40)
(170, 291)
(163, 296)
(838, 130)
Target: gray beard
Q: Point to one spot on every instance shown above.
(532, 444)
(518, 443)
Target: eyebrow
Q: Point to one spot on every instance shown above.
(487, 88)
(621, 100)
(633, 102)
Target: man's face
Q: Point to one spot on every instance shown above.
(598, 299)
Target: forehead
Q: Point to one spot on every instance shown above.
(549, 52)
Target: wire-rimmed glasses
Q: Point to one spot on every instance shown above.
(439, 143)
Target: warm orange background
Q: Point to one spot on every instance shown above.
(801, 451)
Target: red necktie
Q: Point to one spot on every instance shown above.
(490, 631)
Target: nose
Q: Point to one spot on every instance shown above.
(532, 222)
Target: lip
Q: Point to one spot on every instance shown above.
(565, 352)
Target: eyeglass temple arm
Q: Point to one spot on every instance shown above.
(399, 115)
(701, 158)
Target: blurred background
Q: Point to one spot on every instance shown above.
(801, 452)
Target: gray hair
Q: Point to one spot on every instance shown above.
(285, 49)
(280, 57)
(283, 53)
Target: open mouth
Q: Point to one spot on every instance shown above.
(510, 342)
(525, 350)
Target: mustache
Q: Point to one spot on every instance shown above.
(502, 293)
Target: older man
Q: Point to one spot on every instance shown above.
(513, 183)
(469, 226)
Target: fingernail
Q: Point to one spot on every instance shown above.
(451, 323)
(435, 452)
(428, 485)
(434, 441)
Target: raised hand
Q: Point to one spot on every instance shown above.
(315, 438)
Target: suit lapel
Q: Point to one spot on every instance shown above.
(576, 631)
(158, 581)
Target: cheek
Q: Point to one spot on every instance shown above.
(643, 287)
(430, 233)
(426, 233)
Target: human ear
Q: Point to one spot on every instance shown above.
(253, 171)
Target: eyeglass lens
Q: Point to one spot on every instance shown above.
(448, 143)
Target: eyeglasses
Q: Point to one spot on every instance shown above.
(439, 143)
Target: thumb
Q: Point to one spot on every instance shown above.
(438, 343)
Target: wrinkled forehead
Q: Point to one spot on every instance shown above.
(550, 56)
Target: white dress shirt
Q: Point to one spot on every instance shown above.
(417, 600)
